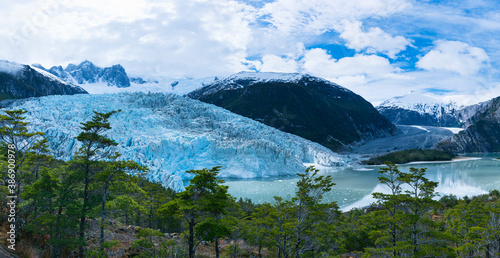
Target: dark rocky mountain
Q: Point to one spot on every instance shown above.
(307, 106)
(137, 80)
(483, 135)
(22, 81)
(87, 72)
(402, 116)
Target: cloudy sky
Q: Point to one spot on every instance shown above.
(377, 48)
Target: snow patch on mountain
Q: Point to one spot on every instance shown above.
(244, 79)
(171, 134)
(421, 128)
(51, 76)
(454, 130)
(159, 84)
(266, 76)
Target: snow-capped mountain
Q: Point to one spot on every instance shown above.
(19, 81)
(421, 104)
(418, 109)
(171, 134)
(97, 80)
(307, 106)
(88, 73)
(244, 79)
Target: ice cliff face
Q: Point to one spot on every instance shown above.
(171, 134)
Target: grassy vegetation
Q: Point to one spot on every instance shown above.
(401, 157)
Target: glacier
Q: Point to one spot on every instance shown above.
(160, 84)
(172, 134)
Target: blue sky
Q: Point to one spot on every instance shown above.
(377, 48)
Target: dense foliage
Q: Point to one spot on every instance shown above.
(405, 156)
(97, 205)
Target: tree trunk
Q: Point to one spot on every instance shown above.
(150, 216)
(81, 249)
(394, 241)
(297, 244)
(216, 247)
(103, 206)
(138, 221)
(17, 221)
(191, 238)
(56, 250)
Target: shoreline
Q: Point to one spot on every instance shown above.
(457, 159)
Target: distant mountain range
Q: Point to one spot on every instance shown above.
(88, 73)
(307, 106)
(418, 109)
(19, 81)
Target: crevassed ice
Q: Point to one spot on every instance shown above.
(171, 134)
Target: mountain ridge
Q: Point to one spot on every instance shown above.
(304, 105)
(483, 135)
(419, 109)
(19, 81)
(88, 73)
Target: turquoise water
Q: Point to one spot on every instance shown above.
(354, 187)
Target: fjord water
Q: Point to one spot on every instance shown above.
(354, 187)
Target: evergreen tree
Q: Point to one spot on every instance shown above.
(416, 206)
(16, 141)
(204, 196)
(86, 163)
(258, 232)
(115, 176)
(311, 214)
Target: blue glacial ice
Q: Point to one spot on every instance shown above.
(172, 134)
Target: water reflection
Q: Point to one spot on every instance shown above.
(354, 187)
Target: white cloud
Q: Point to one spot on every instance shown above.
(454, 56)
(374, 40)
(318, 16)
(272, 63)
(177, 38)
(466, 89)
(319, 62)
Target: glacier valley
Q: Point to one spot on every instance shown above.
(172, 134)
